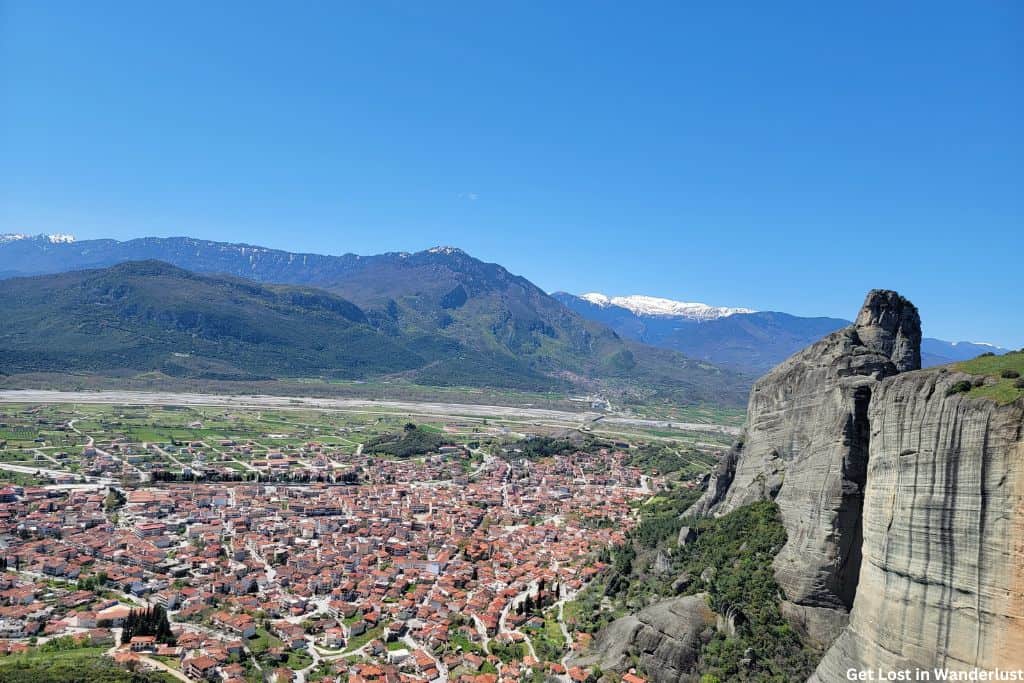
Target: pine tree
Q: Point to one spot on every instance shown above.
(150, 621)
(128, 630)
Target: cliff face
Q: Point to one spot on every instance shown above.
(806, 446)
(900, 502)
(942, 579)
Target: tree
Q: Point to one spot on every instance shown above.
(150, 621)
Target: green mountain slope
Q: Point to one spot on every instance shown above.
(502, 332)
(152, 316)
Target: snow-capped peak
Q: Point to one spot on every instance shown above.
(447, 251)
(56, 238)
(597, 299)
(975, 344)
(652, 305)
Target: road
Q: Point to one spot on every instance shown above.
(157, 664)
(143, 476)
(31, 469)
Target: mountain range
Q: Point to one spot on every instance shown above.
(738, 338)
(436, 317)
(195, 308)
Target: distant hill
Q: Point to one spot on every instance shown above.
(939, 352)
(438, 318)
(475, 318)
(737, 338)
(142, 316)
(751, 342)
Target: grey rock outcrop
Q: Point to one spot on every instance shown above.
(665, 639)
(900, 503)
(806, 446)
(718, 482)
(686, 535)
(890, 325)
(942, 580)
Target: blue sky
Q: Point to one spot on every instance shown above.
(774, 155)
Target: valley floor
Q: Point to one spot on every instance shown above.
(586, 419)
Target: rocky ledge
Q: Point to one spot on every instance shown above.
(663, 640)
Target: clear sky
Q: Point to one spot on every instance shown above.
(774, 155)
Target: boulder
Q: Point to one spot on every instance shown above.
(665, 639)
(687, 535)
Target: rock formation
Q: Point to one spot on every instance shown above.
(942, 579)
(900, 502)
(665, 639)
(806, 446)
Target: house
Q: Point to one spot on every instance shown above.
(578, 675)
(85, 620)
(143, 643)
(334, 638)
(113, 616)
(291, 635)
(242, 624)
(202, 667)
(282, 675)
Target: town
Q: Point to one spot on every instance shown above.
(240, 545)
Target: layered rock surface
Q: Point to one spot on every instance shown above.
(942, 579)
(806, 446)
(899, 501)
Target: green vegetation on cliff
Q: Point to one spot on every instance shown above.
(731, 560)
(1007, 371)
(739, 547)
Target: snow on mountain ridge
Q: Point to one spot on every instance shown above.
(56, 238)
(652, 305)
(446, 250)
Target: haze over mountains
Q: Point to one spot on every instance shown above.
(437, 317)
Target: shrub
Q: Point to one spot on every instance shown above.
(412, 441)
(1009, 373)
(961, 387)
(1019, 384)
